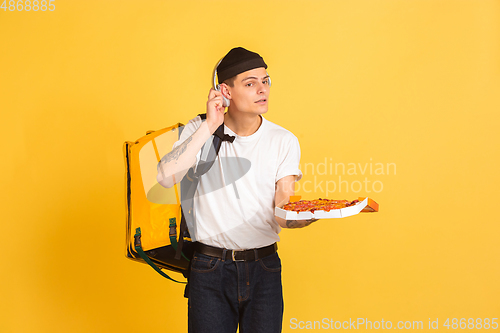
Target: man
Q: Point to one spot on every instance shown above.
(235, 276)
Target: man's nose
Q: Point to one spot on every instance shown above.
(263, 87)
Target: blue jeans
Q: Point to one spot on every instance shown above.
(223, 294)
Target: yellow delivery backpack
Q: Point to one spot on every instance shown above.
(156, 229)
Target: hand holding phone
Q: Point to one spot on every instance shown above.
(215, 109)
(225, 101)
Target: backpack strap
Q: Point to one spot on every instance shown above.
(219, 136)
(138, 248)
(220, 131)
(190, 182)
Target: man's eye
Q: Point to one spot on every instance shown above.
(265, 82)
(249, 84)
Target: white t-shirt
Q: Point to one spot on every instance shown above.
(234, 201)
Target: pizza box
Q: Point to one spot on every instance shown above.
(364, 205)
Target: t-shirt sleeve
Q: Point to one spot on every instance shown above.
(290, 159)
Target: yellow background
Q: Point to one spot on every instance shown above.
(415, 83)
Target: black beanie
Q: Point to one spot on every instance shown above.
(237, 61)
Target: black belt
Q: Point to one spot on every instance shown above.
(236, 255)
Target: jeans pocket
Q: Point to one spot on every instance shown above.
(202, 263)
(271, 263)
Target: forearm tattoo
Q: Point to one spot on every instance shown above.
(174, 154)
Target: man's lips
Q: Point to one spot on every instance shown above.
(261, 101)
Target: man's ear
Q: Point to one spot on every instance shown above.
(224, 89)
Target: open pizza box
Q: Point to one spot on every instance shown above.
(364, 205)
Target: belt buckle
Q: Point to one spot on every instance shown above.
(232, 255)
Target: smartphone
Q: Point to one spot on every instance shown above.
(225, 101)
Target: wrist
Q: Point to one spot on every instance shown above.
(211, 126)
(207, 129)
